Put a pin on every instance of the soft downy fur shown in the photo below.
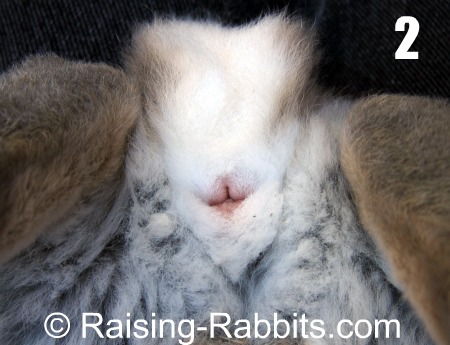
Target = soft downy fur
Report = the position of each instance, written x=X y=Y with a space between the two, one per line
x=397 y=160
x=233 y=201
x=57 y=119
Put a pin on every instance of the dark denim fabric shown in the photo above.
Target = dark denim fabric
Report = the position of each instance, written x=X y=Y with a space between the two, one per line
x=99 y=30
x=357 y=37
x=359 y=43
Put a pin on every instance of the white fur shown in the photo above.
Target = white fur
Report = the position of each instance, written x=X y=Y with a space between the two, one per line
x=210 y=128
x=293 y=245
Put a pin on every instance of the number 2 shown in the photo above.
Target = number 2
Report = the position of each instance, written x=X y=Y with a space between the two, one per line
x=413 y=30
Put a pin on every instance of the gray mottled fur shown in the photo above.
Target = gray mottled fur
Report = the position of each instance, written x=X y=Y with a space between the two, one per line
x=134 y=254
x=321 y=264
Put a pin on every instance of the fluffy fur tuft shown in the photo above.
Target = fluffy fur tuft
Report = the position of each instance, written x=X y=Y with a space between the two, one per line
x=396 y=154
x=56 y=122
x=223 y=109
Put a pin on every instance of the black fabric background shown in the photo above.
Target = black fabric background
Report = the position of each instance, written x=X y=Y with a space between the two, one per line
x=358 y=38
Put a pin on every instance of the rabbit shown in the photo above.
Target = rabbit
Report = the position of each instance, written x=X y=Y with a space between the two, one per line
x=204 y=183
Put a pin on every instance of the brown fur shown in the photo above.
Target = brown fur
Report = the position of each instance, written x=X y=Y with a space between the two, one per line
x=63 y=135
x=396 y=155
x=63 y=129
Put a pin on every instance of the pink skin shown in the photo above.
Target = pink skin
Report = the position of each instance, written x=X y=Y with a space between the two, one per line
x=227 y=196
